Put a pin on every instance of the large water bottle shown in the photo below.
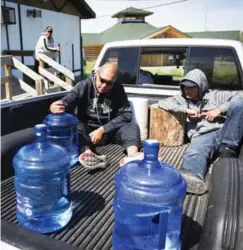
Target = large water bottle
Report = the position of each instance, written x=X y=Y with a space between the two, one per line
x=148 y=204
x=41 y=171
x=63 y=130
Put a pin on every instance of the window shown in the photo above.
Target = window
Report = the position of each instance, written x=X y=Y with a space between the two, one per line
x=8 y=15
x=219 y=65
x=161 y=66
x=127 y=63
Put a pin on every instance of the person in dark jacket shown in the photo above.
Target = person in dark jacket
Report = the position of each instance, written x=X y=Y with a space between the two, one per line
x=214 y=125
x=104 y=112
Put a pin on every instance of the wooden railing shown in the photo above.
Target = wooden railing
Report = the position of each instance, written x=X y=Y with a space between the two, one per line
x=8 y=79
x=50 y=73
x=41 y=80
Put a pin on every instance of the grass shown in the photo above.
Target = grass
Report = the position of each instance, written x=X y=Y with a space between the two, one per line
x=223 y=71
x=89 y=67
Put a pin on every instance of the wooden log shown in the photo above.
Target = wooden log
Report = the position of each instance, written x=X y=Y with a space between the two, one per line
x=167 y=127
x=8 y=85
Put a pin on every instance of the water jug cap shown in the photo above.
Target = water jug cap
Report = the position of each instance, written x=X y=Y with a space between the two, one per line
x=61 y=119
x=152 y=142
x=40 y=129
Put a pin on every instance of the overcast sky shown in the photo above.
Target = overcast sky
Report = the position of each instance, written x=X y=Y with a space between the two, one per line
x=190 y=15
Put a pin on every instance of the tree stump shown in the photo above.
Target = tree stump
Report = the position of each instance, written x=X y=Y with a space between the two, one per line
x=167 y=127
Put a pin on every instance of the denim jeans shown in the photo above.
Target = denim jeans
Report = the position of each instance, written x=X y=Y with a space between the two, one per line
x=203 y=147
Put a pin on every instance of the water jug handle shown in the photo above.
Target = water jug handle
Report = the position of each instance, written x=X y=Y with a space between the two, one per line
x=162 y=220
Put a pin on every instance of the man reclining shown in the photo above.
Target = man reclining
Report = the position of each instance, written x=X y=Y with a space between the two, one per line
x=208 y=130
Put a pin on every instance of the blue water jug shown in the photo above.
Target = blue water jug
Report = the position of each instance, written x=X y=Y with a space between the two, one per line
x=148 y=204
x=63 y=130
x=41 y=171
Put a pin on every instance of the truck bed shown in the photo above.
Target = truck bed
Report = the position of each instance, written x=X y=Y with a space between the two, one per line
x=91 y=225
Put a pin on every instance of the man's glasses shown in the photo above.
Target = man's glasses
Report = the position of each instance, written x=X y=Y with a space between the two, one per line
x=107 y=82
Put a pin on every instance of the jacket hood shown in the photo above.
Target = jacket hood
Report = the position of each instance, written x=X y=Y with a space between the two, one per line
x=198 y=77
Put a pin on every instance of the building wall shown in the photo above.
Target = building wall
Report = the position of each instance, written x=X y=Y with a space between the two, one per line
x=92 y=51
x=66 y=32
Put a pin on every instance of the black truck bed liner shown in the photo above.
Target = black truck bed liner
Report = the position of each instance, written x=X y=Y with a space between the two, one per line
x=92 y=222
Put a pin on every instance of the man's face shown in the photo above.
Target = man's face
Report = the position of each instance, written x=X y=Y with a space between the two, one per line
x=192 y=93
x=105 y=79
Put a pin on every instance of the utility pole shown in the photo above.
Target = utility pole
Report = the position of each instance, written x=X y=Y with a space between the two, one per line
x=206 y=15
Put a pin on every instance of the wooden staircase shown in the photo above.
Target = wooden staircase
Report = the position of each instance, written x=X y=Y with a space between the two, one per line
x=46 y=82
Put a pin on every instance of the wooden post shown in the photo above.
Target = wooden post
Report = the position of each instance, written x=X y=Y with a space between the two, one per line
x=41 y=63
x=39 y=87
x=166 y=127
x=69 y=81
x=8 y=85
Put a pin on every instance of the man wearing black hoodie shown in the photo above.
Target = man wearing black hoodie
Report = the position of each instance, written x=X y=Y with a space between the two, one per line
x=104 y=113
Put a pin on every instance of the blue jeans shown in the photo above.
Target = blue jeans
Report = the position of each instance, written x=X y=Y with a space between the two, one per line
x=203 y=147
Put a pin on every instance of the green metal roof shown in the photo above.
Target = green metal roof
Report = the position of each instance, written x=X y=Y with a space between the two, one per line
x=120 y=32
x=127 y=31
x=132 y=11
x=230 y=34
x=91 y=38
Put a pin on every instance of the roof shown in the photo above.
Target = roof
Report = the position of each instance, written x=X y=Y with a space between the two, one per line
x=91 y=38
x=72 y=7
x=127 y=31
x=132 y=12
x=120 y=32
x=230 y=34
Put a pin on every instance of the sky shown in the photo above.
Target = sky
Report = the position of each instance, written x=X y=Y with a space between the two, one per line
x=185 y=15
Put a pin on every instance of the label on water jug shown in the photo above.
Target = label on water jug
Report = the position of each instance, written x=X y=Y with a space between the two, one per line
x=35 y=200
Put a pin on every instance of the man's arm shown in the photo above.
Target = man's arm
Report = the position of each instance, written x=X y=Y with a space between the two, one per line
x=176 y=104
x=124 y=112
x=72 y=98
x=224 y=99
x=48 y=48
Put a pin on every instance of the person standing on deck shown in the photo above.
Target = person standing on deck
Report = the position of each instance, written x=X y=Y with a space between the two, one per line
x=214 y=125
x=105 y=115
x=45 y=44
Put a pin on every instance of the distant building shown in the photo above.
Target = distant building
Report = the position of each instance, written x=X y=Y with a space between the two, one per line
x=22 y=24
x=132 y=25
x=229 y=34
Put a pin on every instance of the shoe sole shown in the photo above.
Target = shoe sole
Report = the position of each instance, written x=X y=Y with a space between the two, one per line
x=199 y=188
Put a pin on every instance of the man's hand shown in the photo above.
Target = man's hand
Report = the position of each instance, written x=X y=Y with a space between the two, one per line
x=211 y=114
x=96 y=135
x=58 y=48
x=57 y=107
x=193 y=113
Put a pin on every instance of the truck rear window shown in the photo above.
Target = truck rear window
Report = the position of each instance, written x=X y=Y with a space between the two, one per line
x=161 y=66
x=219 y=65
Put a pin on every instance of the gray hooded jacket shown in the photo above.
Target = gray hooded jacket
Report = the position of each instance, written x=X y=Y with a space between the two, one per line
x=210 y=99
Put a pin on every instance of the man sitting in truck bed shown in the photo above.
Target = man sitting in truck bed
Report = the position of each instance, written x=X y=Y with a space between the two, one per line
x=104 y=113
x=207 y=128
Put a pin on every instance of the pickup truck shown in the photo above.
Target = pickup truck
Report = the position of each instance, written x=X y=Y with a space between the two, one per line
x=150 y=69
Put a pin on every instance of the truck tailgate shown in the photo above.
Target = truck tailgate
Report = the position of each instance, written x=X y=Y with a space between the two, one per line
x=92 y=222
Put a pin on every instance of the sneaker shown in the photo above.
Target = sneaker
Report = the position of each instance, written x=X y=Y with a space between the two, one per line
x=91 y=161
x=138 y=157
x=195 y=183
x=227 y=152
